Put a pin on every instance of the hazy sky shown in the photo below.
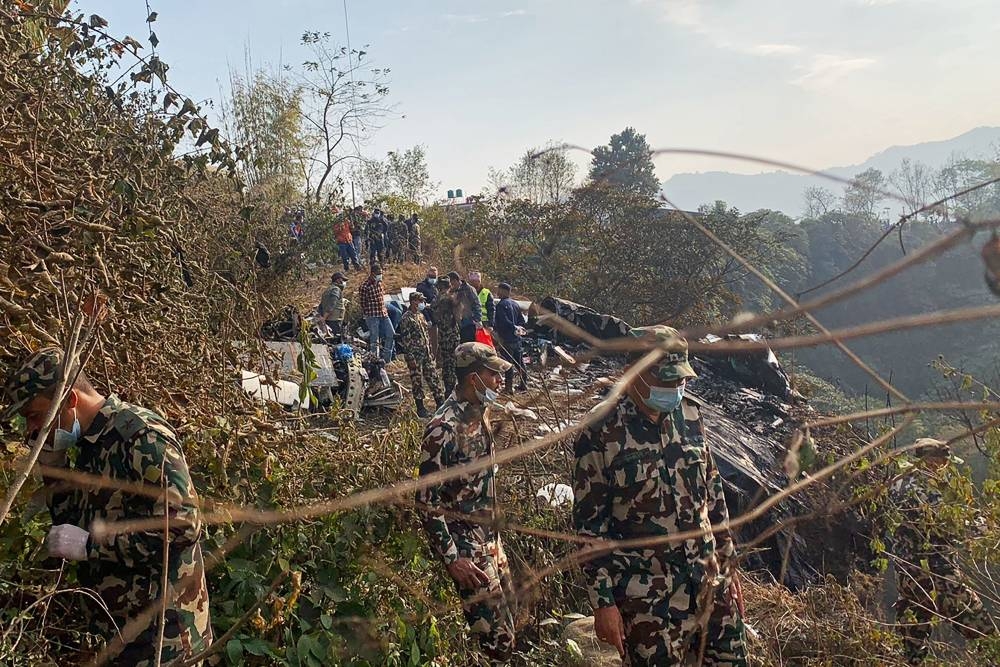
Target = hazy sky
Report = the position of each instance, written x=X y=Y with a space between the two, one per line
x=819 y=82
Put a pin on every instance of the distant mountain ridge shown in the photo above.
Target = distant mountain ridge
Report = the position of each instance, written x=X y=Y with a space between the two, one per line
x=781 y=190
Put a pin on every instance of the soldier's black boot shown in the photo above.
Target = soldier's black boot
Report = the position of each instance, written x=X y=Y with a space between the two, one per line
x=421 y=410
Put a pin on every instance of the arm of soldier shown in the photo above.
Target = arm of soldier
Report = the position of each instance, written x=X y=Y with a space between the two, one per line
x=404 y=332
x=158 y=462
x=718 y=513
x=64 y=504
x=439 y=440
x=592 y=514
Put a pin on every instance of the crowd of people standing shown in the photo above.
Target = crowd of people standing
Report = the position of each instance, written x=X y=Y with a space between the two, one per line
x=440 y=316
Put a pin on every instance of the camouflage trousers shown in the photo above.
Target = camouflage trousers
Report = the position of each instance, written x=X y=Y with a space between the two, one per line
x=447 y=342
x=422 y=370
x=489 y=609
x=925 y=598
x=663 y=627
x=184 y=635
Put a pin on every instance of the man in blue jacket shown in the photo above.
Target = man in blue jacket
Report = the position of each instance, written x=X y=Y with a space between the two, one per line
x=507 y=338
x=428 y=287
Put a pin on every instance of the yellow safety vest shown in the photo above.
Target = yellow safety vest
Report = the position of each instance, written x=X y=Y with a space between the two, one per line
x=484 y=295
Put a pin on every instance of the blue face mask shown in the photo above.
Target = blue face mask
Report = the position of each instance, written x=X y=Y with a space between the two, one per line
x=432 y=281
x=378 y=278
x=487 y=396
x=664 y=399
x=421 y=305
x=63 y=440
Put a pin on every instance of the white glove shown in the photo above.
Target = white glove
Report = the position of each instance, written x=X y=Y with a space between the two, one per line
x=68 y=541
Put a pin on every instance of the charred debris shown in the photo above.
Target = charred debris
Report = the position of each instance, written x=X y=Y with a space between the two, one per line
x=749 y=407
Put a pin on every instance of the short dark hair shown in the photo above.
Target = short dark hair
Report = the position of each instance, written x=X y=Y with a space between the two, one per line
x=376 y=268
x=82 y=383
x=462 y=373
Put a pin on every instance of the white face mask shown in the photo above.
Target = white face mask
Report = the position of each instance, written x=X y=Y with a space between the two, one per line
x=378 y=278
x=421 y=305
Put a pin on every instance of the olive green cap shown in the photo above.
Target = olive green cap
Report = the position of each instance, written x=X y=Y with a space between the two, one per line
x=675 y=364
x=38 y=374
x=470 y=354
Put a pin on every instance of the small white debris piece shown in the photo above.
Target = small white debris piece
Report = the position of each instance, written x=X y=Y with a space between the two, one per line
x=751 y=631
x=777 y=422
x=520 y=412
x=564 y=355
x=545 y=428
x=283 y=392
x=556 y=495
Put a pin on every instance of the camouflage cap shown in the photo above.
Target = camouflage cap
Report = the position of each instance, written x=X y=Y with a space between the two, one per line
x=675 y=364
x=39 y=373
x=470 y=354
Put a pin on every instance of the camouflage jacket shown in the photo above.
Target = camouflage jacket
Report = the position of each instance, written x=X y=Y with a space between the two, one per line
x=398 y=233
x=445 y=310
x=131 y=444
x=919 y=536
x=458 y=434
x=413 y=335
x=636 y=478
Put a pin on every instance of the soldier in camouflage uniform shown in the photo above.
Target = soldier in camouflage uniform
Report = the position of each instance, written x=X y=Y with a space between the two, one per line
x=122 y=442
x=413 y=237
x=416 y=345
x=400 y=239
x=929 y=581
x=459 y=433
x=644 y=470
x=445 y=311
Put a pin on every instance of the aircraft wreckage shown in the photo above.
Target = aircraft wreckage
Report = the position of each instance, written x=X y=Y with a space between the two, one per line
x=749 y=407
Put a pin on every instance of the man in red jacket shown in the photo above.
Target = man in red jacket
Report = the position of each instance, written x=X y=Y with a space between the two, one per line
x=345 y=242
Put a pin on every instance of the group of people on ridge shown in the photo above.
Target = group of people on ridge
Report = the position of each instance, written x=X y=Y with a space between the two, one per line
x=439 y=317
x=383 y=238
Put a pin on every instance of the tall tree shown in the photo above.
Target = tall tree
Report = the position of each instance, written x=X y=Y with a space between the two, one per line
x=410 y=177
x=819 y=201
x=913 y=182
x=864 y=193
x=402 y=174
x=263 y=116
x=963 y=174
x=541 y=176
x=344 y=101
x=626 y=163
